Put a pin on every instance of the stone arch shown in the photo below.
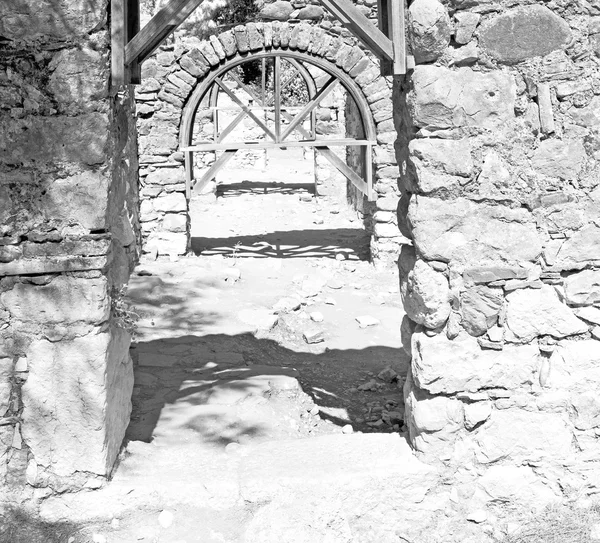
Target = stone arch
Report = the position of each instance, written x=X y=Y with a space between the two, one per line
x=170 y=81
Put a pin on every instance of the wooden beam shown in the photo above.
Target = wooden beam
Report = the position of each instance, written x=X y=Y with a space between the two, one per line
x=396 y=22
x=310 y=106
x=118 y=37
x=345 y=170
x=215 y=168
x=210 y=146
x=350 y=16
x=133 y=27
x=277 y=97
x=158 y=28
x=245 y=108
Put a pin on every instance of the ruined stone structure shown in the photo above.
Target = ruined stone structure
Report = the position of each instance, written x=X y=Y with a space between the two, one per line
x=496 y=136
x=498 y=145
x=170 y=79
x=68 y=240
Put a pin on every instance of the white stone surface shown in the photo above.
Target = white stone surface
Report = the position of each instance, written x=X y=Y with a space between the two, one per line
x=77 y=402
x=426 y=295
x=537 y=312
x=443 y=366
x=63 y=300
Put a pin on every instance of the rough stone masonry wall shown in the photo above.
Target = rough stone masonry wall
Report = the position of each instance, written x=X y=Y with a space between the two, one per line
x=501 y=127
x=168 y=81
x=68 y=240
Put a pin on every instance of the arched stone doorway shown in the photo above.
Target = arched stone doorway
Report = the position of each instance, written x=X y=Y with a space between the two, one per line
x=177 y=79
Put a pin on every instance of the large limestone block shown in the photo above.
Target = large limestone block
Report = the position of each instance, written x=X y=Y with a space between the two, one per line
x=82 y=138
x=583 y=288
x=524 y=436
x=78 y=199
x=80 y=76
x=575 y=367
x=167 y=243
x=516 y=485
x=6 y=373
x=62 y=300
x=59 y=19
x=433 y=413
x=429 y=25
x=77 y=402
x=580 y=248
x=524 y=32
x=451 y=156
x=472 y=234
x=426 y=295
x=443 y=366
x=479 y=307
x=556 y=158
x=539 y=312
x=442 y=98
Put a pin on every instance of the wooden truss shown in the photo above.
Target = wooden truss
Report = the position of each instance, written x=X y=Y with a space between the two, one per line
x=131 y=46
x=274 y=112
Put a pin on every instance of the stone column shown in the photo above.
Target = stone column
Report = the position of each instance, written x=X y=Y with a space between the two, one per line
x=68 y=240
x=501 y=286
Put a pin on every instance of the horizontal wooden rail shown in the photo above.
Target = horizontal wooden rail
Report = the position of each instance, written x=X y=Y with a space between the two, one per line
x=273 y=145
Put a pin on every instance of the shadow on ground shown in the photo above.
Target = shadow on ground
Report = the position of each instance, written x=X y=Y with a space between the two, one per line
x=204 y=378
x=352 y=243
x=18 y=525
x=256 y=187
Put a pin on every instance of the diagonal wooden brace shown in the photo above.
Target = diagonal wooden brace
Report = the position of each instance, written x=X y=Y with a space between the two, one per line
x=350 y=174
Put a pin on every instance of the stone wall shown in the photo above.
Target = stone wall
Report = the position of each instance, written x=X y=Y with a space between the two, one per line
x=69 y=237
x=499 y=156
x=169 y=79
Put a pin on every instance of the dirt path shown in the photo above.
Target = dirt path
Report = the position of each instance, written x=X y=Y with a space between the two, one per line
x=267 y=403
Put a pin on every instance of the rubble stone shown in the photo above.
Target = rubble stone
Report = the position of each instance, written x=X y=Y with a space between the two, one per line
x=524 y=32
x=429 y=25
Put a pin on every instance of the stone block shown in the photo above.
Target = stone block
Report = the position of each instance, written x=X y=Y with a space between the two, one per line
x=79 y=78
x=167 y=243
x=174 y=222
x=524 y=32
x=59 y=20
x=583 y=288
x=476 y=413
x=466 y=23
x=169 y=203
x=442 y=98
x=472 y=234
x=587 y=410
x=580 y=248
x=166 y=176
x=524 y=436
x=280 y=10
x=6 y=373
x=76 y=402
x=562 y=159
x=425 y=295
x=433 y=413
x=429 y=28
x=479 y=308
x=82 y=139
x=517 y=485
x=495 y=180
x=228 y=42
x=443 y=366
x=538 y=312
x=80 y=199
x=62 y=300
x=311 y=13
x=450 y=156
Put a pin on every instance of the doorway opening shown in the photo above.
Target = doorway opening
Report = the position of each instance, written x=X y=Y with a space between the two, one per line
x=266 y=142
